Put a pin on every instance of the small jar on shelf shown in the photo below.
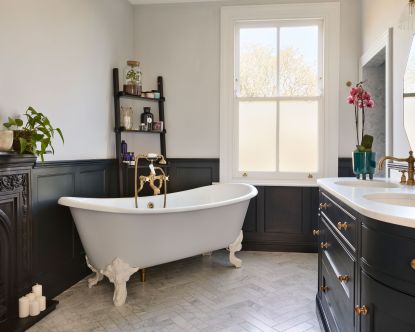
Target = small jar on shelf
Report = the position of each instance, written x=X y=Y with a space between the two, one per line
x=127 y=117
x=133 y=79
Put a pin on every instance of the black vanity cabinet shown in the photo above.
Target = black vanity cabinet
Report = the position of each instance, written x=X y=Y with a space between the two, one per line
x=366 y=271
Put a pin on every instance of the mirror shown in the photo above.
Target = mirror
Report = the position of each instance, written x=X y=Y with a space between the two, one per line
x=409 y=97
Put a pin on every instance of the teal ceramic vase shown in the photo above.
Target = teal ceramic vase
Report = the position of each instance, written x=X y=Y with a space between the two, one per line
x=364 y=163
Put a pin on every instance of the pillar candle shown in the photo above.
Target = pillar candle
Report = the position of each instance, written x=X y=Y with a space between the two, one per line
x=31 y=296
x=42 y=302
x=34 y=308
x=37 y=289
x=23 y=307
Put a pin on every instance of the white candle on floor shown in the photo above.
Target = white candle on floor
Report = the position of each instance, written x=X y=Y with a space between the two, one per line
x=31 y=296
x=23 y=307
x=37 y=290
x=42 y=302
x=34 y=308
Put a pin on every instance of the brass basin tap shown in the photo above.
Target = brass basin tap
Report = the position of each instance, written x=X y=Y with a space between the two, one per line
x=410 y=160
x=152 y=178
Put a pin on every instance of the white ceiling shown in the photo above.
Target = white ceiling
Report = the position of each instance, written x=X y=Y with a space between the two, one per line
x=148 y=2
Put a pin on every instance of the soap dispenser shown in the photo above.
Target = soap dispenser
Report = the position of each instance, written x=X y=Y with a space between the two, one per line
x=147 y=118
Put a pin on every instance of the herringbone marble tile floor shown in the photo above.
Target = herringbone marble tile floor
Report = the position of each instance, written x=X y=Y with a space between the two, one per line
x=271 y=292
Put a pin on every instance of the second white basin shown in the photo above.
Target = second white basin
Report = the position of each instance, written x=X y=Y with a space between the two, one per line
x=367 y=184
x=396 y=199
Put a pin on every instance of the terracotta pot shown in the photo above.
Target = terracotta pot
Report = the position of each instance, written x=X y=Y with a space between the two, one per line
x=6 y=140
x=16 y=143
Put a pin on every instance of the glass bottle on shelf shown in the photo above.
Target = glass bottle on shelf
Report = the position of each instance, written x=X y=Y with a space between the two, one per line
x=127 y=117
x=132 y=77
x=147 y=118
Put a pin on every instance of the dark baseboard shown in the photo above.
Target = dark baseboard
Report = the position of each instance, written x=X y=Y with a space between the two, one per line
x=345 y=168
x=276 y=246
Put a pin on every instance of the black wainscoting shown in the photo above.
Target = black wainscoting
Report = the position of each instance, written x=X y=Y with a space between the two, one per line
x=59 y=260
x=282 y=219
x=345 y=167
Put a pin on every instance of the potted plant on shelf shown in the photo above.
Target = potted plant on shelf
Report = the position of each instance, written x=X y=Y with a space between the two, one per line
x=35 y=136
x=364 y=159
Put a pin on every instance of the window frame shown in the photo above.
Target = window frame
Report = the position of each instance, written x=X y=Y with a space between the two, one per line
x=235 y=17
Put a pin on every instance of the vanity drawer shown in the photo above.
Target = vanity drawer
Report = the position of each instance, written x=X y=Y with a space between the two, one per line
x=342 y=263
x=389 y=254
x=344 y=222
x=334 y=300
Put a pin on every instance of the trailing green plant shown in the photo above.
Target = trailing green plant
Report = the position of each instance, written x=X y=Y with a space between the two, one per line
x=35 y=136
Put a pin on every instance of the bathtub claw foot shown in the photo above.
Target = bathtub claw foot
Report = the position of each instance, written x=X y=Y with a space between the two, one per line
x=119 y=272
x=234 y=247
x=98 y=275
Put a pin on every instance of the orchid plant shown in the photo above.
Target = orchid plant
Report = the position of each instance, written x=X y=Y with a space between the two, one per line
x=361 y=100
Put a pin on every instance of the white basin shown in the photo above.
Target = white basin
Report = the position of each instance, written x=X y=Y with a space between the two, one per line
x=392 y=199
x=367 y=184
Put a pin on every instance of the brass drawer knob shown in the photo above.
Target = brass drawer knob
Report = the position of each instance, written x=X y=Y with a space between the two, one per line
x=413 y=263
x=343 y=226
x=324 y=245
x=324 y=206
x=343 y=278
x=316 y=232
x=324 y=289
x=363 y=310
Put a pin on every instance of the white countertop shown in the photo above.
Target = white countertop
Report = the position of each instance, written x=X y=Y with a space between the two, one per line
x=354 y=197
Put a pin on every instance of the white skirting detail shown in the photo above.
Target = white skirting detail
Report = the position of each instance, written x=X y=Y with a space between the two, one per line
x=234 y=247
x=119 y=272
x=98 y=275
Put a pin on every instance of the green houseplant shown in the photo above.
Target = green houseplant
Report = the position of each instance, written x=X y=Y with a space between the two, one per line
x=35 y=136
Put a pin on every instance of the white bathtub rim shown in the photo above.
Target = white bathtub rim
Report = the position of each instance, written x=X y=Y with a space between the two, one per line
x=87 y=203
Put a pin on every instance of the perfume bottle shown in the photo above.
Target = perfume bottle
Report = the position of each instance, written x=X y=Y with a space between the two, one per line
x=147 y=118
x=123 y=149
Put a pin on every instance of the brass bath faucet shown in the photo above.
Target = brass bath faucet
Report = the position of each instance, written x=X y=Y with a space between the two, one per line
x=152 y=178
x=410 y=160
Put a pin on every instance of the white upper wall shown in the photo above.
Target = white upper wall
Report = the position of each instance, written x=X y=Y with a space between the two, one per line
x=57 y=55
x=182 y=43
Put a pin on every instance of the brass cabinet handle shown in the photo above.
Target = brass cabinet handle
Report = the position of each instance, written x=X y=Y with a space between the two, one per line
x=316 y=232
x=324 y=206
x=324 y=289
x=363 y=310
x=342 y=226
x=343 y=278
x=324 y=245
x=413 y=263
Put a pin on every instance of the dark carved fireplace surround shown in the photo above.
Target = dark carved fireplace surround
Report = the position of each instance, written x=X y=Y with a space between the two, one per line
x=15 y=240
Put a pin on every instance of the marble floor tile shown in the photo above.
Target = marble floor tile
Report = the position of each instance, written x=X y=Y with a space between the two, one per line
x=271 y=292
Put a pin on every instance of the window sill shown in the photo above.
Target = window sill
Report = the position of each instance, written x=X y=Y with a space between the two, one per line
x=279 y=182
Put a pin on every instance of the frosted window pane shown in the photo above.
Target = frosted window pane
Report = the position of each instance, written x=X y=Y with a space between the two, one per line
x=299 y=61
x=258 y=62
x=257 y=136
x=409 y=77
x=298 y=136
x=409 y=119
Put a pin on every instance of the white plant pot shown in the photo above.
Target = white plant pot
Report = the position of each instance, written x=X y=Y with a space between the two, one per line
x=6 y=140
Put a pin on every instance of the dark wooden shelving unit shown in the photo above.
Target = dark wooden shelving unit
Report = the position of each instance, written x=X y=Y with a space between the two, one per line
x=118 y=95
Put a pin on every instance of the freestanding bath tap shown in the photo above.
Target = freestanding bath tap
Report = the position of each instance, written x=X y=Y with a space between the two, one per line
x=152 y=178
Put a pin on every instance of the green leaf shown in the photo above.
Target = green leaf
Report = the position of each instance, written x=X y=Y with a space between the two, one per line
x=7 y=125
x=60 y=134
x=45 y=131
x=23 y=144
x=19 y=122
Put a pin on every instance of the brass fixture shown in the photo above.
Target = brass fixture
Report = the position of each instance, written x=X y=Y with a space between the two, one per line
x=324 y=206
x=151 y=178
x=403 y=177
x=324 y=245
x=343 y=278
x=142 y=275
x=245 y=174
x=363 y=310
x=410 y=160
x=413 y=263
x=150 y=205
x=310 y=176
x=324 y=289
x=316 y=232
x=343 y=226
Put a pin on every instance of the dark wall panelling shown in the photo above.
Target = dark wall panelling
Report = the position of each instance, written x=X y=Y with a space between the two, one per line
x=282 y=219
x=345 y=167
x=59 y=257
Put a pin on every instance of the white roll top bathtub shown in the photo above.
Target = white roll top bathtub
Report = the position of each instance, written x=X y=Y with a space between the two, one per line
x=119 y=239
